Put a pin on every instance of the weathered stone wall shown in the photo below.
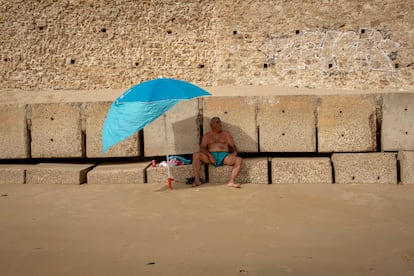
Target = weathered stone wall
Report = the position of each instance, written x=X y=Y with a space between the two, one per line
x=283 y=139
x=85 y=44
x=260 y=124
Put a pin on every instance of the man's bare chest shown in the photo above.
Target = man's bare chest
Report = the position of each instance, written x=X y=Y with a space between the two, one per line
x=217 y=138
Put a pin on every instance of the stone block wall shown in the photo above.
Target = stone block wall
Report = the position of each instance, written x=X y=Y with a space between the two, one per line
x=56 y=130
x=347 y=124
x=114 y=44
x=301 y=170
x=238 y=115
x=94 y=46
x=13 y=132
x=118 y=173
x=93 y=115
x=360 y=168
x=398 y=122
x=179 y=173
x=287 y=124
x=180 y=128
x=330 y=138
x=56 y=173
x=406 y=161
x=259 y=124
x=13 y=174
x=253 y=170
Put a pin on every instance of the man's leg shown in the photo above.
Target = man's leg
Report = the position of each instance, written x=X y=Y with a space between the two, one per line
x=197 y=158
x=236 y=162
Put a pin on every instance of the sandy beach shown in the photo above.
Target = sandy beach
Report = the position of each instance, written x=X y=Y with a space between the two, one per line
x=210 y=230
x=321 y=90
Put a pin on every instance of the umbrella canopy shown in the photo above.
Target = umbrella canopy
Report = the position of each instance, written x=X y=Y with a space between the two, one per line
x=142 y=104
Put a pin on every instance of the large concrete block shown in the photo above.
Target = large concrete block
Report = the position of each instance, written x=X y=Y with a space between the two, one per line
x=14 y=143
x=397 y=130
x=57 y=173
x=287 y=124
x=238 y=116
x=253 y=170
x=13 y=174
x=180 y=173
x=376 y=167
x=56 y=130
x=183 y=131
x=316 y=170
x=406 y=160
x=95 y=114
x=124 y=173
x=347 y=124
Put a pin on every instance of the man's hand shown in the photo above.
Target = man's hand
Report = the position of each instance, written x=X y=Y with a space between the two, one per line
x=211 y=159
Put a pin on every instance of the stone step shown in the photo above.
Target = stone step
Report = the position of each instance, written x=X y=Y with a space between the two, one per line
x=365 y=168
x=361 y=168
x=14 y=174
x=301 y=170
x=406 y=161
x=118 y=173
x=57 y=173
x=179 y=173
x=253 y=170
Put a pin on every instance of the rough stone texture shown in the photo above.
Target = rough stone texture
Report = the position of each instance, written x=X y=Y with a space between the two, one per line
x=103 y=44
x=406 y=160
x=179 y=173
x=94 y=114
x=287 y=124
x=14 y=174
x=183 y=132
x=301 y=170
x=253 y=170
x=57 y=173
x=238 y=116
x=123 y=173
x=314 y=44
x=347 y=123
x=14 y=143
x=365 y=168
x=56 y=130
x=397 y=130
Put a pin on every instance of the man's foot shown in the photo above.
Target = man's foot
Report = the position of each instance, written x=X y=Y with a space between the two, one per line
x=195 y=184
x=233 y=185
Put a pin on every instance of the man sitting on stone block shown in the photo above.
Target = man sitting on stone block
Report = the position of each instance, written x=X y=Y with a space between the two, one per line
x=217 y=148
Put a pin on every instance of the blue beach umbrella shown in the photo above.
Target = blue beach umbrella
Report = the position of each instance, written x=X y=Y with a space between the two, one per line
x=142 y=104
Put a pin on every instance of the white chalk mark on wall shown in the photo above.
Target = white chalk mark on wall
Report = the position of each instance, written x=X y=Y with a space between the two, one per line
x=332 y=50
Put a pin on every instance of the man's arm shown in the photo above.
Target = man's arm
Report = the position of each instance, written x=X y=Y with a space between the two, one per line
x=204 y=149
x=231 y=143
x=203 y=146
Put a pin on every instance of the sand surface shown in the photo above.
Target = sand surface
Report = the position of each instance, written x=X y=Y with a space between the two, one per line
x=210 y=230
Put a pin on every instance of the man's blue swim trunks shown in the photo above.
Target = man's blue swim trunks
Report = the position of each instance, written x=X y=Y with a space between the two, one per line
x=219 y=157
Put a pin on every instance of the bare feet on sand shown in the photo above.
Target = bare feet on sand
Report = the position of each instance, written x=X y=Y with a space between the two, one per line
x=197 y=183
x=233 y=185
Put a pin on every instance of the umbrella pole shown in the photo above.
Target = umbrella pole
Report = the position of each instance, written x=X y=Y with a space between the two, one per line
x=170 y=179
